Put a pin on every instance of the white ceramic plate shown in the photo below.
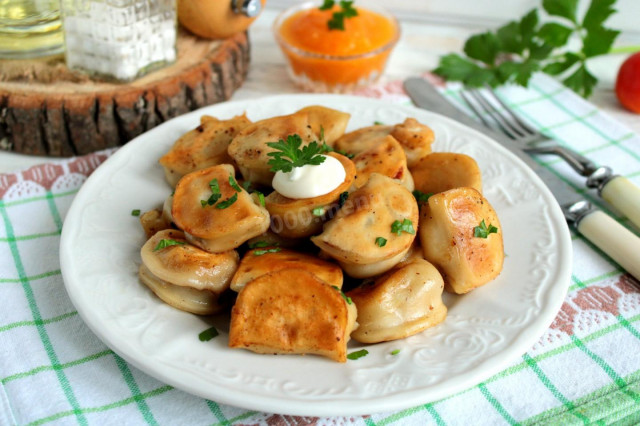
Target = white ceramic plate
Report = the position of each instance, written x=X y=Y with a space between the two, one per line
x=484 y=331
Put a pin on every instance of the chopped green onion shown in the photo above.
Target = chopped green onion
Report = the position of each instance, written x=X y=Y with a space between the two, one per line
x=135 y=212
x=228 y=202
x=261 y=243
x=208 y=334
x=395 y=352
x=344 y=296
x=318 y=211
x=234 y=184
x=246 y=185
x=215 y=194
x=261 y=198
x=358 y=354
x=343 y=198
x=164 y=243
x=271 y=250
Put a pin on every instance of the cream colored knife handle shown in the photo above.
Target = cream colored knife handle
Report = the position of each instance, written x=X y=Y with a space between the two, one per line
x=613 y=239
x=621 y=193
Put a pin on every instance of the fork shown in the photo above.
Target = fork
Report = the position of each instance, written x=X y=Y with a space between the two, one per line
x=617 y=190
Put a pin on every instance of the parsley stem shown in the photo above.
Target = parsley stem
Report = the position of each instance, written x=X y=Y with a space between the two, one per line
x=625 y=49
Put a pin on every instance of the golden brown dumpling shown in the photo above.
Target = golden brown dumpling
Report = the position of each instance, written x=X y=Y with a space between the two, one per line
x=292 y=311
x=414 y=137
x=362 y=139
x=371 y=212
x=404 y=301
x=295 y=218
x=249 y=148
x=202 y=147
x=447 y=227
x=386 y=158
x=184 y=276
x=224 y=225
x=441 y=171
x=263 y=260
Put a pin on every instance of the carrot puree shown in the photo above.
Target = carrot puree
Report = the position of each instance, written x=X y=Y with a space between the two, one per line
x=307 y=31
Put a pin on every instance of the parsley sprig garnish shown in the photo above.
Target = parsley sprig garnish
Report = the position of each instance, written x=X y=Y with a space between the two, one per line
x=337 y=18
x=515 y=51
x=288 y=154
x=483 y=231
x=406 y=225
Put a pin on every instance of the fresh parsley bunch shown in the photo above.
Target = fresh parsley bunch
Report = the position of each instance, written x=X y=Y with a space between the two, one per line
x=513 y=52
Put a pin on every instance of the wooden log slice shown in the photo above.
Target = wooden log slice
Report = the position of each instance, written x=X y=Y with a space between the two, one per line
x=47 y=109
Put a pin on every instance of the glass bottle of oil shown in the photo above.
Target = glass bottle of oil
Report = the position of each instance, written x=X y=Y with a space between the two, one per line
x=30 y=28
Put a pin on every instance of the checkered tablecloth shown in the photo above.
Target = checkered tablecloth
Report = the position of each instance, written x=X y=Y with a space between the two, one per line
x=584 y=369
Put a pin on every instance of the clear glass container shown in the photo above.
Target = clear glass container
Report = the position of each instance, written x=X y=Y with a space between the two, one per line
x=30 y=28
x=119 y=39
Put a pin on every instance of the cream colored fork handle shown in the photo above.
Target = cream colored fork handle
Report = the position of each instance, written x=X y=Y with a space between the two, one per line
x=613 y=239
x=621 y=193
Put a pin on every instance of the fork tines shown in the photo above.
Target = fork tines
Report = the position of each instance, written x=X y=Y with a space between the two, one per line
x=494 y=113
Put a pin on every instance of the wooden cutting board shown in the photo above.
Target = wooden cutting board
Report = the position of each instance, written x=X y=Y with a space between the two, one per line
x=47 y=109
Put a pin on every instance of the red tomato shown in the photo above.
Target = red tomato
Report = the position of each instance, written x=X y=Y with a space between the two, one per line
x=628 y=83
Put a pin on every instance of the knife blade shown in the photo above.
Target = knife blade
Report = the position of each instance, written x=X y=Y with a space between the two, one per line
x=602 y=230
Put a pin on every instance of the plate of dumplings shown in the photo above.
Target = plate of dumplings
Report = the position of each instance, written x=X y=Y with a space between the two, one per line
x=430 y=259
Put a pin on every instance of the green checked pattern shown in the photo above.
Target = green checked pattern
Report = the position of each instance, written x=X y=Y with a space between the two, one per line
x=583 y=370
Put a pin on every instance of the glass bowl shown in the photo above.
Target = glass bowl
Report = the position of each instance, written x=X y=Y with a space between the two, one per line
x=317 y=71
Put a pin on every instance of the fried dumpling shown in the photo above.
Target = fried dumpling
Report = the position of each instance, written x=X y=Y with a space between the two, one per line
x=249 y=148
x=265 y=260
x=184 y=276
x=362 y=139
x=292 y=312
x=153 y=221
x=404 y=301
x=298 y=218
x=202 y=147
x=461 y=235
x=373 y=230
x=441 y=171
x=414 y=137
x=386 y=158
x=214 y=212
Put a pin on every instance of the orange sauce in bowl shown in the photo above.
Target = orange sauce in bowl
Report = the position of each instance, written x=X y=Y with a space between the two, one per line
x=336 y=57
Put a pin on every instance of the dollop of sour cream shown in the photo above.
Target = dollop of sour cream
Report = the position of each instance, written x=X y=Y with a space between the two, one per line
x=310 y=180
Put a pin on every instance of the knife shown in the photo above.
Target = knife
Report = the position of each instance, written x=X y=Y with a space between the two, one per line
x=601 y=229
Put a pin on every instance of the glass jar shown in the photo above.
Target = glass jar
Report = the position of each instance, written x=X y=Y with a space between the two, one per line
x=119 y=39
x=30 y=28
